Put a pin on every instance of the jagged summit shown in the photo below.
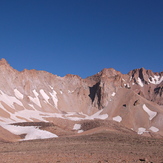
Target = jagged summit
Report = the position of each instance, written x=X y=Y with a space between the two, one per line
x=109 y=72
x=134 y=100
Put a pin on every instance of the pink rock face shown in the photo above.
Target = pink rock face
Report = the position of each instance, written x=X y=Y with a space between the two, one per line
x=135 y=99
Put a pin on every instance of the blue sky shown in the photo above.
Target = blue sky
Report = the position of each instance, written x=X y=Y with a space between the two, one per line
x=82 y=36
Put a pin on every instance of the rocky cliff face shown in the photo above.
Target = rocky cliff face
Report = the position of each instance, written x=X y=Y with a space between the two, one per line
x=135 y=99
x=150 y=84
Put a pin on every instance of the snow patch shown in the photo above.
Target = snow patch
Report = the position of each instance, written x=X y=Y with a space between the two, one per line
x=54 y=97
x=127 y=85
x=44 y=95
x=151 y=114
x=155 y=79
x=35 y=99
x=28 y=115
x=31 y=114
x=35 y=93
x=154 y=129
x=87 y=117
x=50 y=86
x=32 y=132
x=31 y=106
x=70 y=91
x=77 y=127
x=80 y=131
x=97 y=115
x=140 y=82
x=141 y=130
x=113 y=94
x=117 y=118
x=9 y=100
x=18 y=94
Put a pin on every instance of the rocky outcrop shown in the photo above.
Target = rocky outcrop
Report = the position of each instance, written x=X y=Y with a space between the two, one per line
x=147 y=84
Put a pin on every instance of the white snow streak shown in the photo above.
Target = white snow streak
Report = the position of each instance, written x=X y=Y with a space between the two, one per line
x=35 y=99
x=151 y=114
x=44 y=95
x=35 y=93
x=18 y=94
x=54 y=97
x=97 y=115
x=113 y=94
x=50 y=86
x=87 y=117
x=140 y=82
x=31 y=106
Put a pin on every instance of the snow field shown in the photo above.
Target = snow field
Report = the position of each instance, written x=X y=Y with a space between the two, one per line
x=9 y=100
x=31 y=132
x=155 y=79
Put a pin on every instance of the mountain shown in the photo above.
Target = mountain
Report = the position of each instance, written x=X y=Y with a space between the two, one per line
x=50 y=106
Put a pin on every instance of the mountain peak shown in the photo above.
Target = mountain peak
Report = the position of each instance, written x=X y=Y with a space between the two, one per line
x=3 y=62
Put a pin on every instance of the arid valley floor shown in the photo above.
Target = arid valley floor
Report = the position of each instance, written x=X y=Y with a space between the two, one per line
x=100 y=147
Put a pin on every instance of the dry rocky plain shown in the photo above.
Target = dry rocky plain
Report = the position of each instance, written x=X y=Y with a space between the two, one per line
x=100 y=146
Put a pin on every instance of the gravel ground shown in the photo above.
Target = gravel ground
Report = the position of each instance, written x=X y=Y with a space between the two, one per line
x=93 y=148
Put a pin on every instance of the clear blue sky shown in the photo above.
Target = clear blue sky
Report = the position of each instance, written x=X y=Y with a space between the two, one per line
x=82 y=36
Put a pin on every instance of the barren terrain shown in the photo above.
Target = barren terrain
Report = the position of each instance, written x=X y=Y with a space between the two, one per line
x=102 y=147
x=107 y=117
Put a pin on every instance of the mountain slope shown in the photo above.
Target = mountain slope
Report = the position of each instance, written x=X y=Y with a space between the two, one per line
x=134 y=100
